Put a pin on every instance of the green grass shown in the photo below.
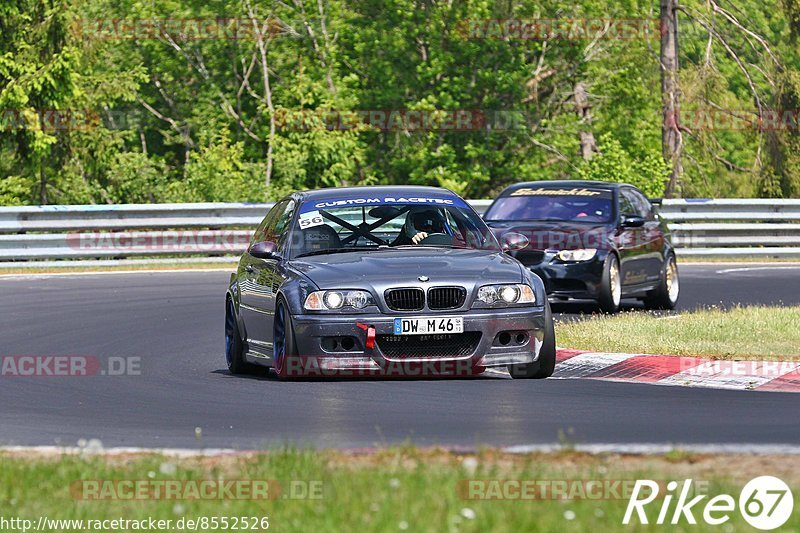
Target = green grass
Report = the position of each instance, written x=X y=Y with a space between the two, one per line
x=393 y=490
x=737 y=333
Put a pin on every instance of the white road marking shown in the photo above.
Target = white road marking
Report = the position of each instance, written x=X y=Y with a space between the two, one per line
x=588 y=363
x=755 y=268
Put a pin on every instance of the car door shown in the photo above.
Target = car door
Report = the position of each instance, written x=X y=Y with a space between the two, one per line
x=631 y=243
x=260 y=279
x=652 y=234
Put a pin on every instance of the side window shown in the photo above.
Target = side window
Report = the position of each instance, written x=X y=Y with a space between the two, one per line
x=626 y=207
x=643 y=204
x=263 y=229
x=281 y=230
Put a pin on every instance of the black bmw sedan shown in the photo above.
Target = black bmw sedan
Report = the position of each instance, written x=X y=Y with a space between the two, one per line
x=388 y=281
x=590 y=240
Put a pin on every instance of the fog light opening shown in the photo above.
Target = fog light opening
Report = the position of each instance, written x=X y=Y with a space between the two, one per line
x=504 y=338
x=348 y=343
x=521 y=338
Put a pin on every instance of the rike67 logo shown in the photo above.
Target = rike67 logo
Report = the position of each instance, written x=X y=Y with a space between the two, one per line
x=765 y=503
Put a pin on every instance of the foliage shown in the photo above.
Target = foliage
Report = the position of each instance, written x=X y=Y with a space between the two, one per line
x=172 y=117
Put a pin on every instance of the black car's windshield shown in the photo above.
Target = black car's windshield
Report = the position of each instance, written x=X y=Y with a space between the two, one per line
x=367 y=224
x=557 y=204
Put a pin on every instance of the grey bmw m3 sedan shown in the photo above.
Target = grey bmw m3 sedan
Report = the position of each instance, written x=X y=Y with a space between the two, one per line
x=384 y=281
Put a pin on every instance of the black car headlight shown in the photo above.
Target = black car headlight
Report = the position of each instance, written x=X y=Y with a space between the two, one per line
x=505 y=295
x=338 y=299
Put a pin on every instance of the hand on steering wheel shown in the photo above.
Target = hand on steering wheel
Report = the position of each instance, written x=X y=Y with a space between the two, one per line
x=422 y=235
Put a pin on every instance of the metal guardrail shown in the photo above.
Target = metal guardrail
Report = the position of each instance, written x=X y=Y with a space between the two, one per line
x=723 y=228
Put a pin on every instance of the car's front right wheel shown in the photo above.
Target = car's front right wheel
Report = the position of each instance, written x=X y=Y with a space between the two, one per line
x=546 y=364
x=284 y=358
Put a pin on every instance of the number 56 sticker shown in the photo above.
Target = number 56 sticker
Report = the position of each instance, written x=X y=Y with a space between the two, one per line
x=310 y=219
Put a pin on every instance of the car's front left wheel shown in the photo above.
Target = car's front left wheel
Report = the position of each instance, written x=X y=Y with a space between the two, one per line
x=546 y=364
x=234 y=347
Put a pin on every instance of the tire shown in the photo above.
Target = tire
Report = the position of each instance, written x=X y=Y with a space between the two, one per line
x=544 y=367
x=284 y=346
x=668 y=291
x=610 y=286
x=234 y=347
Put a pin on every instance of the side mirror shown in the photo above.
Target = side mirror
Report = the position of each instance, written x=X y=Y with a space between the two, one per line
x=632 y=221
x=263 y=250
x=514 y=241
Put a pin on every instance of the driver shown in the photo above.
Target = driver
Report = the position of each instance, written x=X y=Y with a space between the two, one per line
x=420 y=223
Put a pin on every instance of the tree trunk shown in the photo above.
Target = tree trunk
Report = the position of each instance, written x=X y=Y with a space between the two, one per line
x=582 y=108
x=671 y=141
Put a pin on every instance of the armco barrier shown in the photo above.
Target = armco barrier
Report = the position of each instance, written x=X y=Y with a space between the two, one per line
x=725 y=228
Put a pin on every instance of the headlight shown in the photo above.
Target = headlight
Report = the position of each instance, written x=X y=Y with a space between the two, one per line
x=583 y=254
x=332 y=300
x=518 y=293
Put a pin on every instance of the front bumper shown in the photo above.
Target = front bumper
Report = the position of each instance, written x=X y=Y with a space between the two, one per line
x=565 y=281
x=318 y=353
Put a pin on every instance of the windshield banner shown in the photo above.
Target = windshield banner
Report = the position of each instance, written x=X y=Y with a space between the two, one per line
x=371 y=201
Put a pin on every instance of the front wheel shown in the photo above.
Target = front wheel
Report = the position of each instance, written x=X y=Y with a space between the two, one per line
x=665 y=296
x=284 y=349
x=546 y=364
x=610 y=286
x=234 y=347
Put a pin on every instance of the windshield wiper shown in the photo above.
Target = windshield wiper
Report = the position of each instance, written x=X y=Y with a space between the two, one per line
x=338 y=250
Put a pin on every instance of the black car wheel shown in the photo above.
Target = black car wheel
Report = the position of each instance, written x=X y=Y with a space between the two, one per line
x=234 y=348
x=610 y=286
x=544 y=367
x=668 y=291
x=284 y=350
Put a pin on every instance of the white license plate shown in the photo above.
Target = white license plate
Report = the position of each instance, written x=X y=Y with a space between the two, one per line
x=428 y=325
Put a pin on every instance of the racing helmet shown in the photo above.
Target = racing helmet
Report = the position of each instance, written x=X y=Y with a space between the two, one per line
x=425 y=219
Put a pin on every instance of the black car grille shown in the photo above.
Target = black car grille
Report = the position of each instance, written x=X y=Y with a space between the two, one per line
x=405 y=299
x=446 y=297
x=429 y=346
x=530 y=257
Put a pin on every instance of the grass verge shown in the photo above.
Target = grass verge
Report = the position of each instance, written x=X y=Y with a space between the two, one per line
x=737 y=333
x=392 y=490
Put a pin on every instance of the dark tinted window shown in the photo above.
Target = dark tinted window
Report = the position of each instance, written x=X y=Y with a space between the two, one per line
x=633 y=204
x=573 y=204
x=263 y=229
x=641 y=203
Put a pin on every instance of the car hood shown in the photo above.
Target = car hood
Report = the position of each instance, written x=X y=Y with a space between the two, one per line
x=403 y=267
x=558 y=235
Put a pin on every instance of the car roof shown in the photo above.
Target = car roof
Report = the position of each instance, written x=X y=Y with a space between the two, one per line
x=565 y=183
x=380 y=190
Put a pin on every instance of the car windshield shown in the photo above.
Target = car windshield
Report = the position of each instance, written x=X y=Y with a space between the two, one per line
x=561 y=204
x=367 y=224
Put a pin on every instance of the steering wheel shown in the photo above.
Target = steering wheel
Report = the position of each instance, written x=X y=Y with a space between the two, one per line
x=437 y=238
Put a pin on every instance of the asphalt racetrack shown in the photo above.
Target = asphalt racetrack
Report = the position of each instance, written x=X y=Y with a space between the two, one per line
x=173 y=322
